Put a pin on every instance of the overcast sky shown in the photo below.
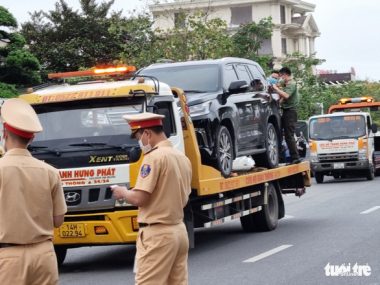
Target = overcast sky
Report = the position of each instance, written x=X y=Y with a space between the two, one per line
x=349 y=29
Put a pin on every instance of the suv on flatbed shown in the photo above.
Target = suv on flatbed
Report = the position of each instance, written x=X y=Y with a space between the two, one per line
x=233 y=113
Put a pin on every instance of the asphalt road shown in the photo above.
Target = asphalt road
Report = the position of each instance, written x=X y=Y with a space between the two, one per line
x=336 y=223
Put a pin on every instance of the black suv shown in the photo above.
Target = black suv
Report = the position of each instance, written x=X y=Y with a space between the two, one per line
x=233 y=113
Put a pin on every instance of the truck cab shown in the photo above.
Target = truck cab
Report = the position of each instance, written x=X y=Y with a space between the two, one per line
x=342 y=143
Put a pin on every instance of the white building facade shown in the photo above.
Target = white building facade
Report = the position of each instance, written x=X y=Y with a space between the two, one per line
x=295 y=29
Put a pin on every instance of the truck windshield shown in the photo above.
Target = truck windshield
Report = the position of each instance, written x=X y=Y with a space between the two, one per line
x=78 y=120
x=193 y=79
x=337 y=127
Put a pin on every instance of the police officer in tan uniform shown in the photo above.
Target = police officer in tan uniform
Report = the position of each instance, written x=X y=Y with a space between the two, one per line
x=31 y=203
x=161 y=192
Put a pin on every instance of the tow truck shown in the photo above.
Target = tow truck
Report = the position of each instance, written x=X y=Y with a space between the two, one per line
x=344 y=142
x=86 y=138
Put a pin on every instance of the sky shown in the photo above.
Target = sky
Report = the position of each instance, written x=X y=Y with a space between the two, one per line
x=349 y=30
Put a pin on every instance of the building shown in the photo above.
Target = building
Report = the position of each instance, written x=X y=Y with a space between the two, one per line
x=295 y=29
x=332 y=77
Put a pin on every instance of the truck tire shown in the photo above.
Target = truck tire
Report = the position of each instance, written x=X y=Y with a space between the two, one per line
x=318 y=177
x=60 y=252
x=371 y=172
x=270 y=158
x=267 y=218
x=224 y=151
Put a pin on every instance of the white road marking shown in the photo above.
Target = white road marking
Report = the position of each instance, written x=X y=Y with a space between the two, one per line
x=268 y=253
x=370 y=210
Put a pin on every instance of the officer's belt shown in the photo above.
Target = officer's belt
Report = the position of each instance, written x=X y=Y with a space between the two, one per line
x=143 y=225
x=3 y=245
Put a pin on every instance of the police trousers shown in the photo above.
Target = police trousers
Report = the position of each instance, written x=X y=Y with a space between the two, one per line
x=161 y=257
x=33 y=264
x=288 y=121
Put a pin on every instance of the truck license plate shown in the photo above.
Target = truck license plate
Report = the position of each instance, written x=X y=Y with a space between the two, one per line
x=338 y=165
x=72 y=230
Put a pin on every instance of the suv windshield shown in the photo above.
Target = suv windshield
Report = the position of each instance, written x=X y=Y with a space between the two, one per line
x=337 y=127
x=194 y=78
x=85 y=119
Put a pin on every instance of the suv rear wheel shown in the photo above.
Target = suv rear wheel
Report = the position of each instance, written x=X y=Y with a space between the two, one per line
x=224 y=151
x=270 y=157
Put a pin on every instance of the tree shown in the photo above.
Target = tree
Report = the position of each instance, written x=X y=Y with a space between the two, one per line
x=17 y=65
x=65 y=39
x=198 y=38
x=137 y=40
x=249 y=38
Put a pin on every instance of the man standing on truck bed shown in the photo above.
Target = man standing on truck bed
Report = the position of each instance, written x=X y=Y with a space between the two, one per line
x=289 y=96
x=161 y=192
x=31 y=203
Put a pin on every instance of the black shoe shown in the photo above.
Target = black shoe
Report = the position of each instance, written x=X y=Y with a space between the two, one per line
x=297 y=160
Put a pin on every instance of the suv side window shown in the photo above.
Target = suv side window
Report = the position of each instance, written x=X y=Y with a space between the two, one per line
x=258 y=77
x=165 y=108
x=229 y=75
x=243 y=73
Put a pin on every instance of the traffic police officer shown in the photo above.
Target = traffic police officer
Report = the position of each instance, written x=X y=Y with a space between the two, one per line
x=31 y=203
x=161 y=193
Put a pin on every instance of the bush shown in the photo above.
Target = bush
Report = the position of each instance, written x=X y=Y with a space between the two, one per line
x=7 y=90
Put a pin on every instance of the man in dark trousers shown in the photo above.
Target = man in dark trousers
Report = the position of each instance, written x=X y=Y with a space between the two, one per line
x=161 y=192
x=31 y=203
x=289 y=101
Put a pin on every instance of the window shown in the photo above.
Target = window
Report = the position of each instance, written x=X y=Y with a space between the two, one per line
x=104 y=118
x=282 y=14
x=284 y=46
x=241 y=15
x=259 y=80
x=165 y=108
x=196 y=78
x=243 y=73
x=229 y=75
x=179 y=20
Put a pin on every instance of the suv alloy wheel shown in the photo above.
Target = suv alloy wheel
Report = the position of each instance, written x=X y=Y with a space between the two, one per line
x=224 y=151
x=270 y=157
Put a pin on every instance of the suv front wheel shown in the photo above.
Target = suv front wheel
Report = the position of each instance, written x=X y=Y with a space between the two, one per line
x=224 y=151
x=270 y=157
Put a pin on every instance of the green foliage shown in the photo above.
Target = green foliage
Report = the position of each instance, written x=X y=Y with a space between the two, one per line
x=6 y=18
x=20 y=68
x=65 y=39
x=7 y=90
x=137 y=41
x=17 y=65
x=196 y=38
x=249 y=38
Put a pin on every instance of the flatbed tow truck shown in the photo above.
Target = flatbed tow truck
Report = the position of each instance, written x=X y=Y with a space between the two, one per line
x=90 y=164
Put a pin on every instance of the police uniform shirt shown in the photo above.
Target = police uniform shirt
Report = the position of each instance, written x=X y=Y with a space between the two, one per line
x=30 y=195
x=165 y=174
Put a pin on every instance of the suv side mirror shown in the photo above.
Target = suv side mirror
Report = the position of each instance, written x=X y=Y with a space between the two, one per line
x=374 y=128
x=239 y=86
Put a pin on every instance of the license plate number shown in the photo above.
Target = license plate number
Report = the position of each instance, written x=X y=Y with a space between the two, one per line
x=338 y=165
x=72 y=231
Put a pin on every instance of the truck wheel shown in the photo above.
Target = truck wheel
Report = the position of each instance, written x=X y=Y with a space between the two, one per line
x=267 y=218
x=224 y=151
x=60 y=252
x=271 y=156
x=318 y=177
x=371 y=172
